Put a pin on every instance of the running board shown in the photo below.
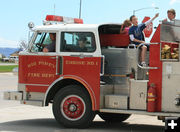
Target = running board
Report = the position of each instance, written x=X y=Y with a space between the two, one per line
x=33 y=102
x=140 y=112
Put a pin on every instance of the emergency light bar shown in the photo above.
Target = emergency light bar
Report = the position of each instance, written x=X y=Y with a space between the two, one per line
x=53 y=19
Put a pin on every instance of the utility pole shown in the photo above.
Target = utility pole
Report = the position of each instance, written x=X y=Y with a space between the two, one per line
x=54 y=9
x=80 y=9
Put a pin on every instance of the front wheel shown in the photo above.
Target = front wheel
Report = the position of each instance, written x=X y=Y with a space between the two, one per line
x=72 y=107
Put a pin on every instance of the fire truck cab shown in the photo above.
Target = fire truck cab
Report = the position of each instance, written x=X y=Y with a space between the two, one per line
x=95 y=70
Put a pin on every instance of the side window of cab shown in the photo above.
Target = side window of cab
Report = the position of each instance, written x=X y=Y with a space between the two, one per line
x=44 y=42
x=77 y=42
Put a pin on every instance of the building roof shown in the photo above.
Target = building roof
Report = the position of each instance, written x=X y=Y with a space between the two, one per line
x=16 y=53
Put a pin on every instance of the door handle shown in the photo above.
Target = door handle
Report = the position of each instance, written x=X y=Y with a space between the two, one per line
x=81 y=56
x=53 y=57
x=59 y=65
x=57 y=62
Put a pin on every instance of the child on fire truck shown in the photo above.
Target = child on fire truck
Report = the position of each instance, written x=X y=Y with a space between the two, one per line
x=137 y=36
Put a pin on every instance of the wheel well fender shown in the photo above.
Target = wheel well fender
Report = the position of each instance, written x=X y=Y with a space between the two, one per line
x=52 y=90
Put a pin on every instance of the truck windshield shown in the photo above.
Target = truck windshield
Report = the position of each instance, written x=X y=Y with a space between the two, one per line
x=41 y=41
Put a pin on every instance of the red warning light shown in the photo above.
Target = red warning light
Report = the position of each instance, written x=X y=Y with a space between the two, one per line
x=54 y=18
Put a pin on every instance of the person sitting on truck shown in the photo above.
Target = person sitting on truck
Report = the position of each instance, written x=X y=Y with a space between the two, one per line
x=51 y=47
x=125 y=27
x=137 y=37
x=171 y=13
x=82 y=44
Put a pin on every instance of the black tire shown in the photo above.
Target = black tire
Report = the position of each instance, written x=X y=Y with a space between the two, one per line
x=72 y=107
x=113 y=117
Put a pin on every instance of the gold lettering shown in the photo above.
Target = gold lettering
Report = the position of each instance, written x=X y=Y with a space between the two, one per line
x=32 y=64
x=68 y=62
x=51 y=75
x=75 y=62
x=40 y=62
x=33 y=74
x=90 y=63
x=46 y=75
x=44 y=63
x=29 y=74
x=36 y=75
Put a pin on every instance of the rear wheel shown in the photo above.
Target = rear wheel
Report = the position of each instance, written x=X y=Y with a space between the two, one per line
x=113 y=117
x=72 y=107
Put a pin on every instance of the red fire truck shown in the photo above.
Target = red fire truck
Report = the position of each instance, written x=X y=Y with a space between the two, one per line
x=99 y=75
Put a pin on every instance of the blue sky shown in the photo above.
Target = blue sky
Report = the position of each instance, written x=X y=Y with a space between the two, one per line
x=15 y=14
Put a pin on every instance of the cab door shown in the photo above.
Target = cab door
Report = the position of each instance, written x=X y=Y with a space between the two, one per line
x=37 y=69
x=81 y=59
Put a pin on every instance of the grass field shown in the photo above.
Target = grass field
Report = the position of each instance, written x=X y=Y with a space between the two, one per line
x=7 y=68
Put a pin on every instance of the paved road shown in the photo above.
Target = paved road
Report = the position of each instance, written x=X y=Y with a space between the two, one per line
x=22 y=118
x=7 y=82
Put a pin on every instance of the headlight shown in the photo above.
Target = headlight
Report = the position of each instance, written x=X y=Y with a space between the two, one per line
x=30 y=25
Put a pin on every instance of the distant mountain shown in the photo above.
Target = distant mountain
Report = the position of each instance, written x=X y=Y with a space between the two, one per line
x=8 y=51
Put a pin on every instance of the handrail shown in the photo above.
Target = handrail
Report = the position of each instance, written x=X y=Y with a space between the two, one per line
x=133 y=45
